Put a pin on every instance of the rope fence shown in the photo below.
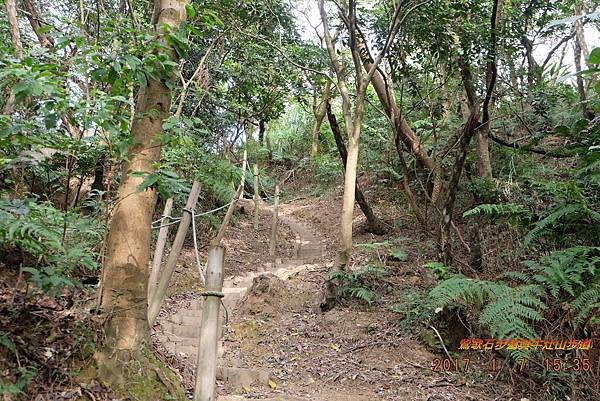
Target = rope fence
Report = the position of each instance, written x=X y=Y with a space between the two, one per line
x=159 y=223
x=178 y=219
x=175 y=220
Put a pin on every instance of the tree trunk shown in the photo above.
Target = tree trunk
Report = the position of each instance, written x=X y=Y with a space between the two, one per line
x=261 y=132
x=484 y=163
x=15 y=36
x=534 y=73
x=125 y=271
x=348 y=203
x=319 y=112
x=384 y=89
x=35 y=22
x=374 y=225
x=579 y=49
x=269 y=147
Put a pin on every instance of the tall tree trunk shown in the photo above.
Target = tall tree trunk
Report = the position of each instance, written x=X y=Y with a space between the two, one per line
x=384 y=89
x=585 y=110
x=374 y=225
x=261 y=131
x=269 y=146
x=15 y=36
x=348 y=202
x=579 y=49
x=125 y=271
x=319 y=113
x=484 y=163
x=98 y=183
x=534 y=71
x=482 y=149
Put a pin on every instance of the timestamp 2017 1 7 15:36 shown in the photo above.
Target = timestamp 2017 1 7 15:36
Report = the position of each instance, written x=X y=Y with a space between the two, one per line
x=464 y=365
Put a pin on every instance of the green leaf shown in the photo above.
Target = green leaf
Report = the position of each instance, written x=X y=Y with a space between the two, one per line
x=190 y=11
x=150 y=180
x=594 y=56
x=399 y=255
x=6 y=342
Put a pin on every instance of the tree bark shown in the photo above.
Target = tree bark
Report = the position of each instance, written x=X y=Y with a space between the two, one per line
x=319 y=112
x=484 y=163
x=13 y=26
x=534 y=73
x=579 y=49
x=374 y=225
x=98 y=183
x=125 y=271
x=15 y=36
x=35 y=22
x=384 y=90
x=261 y=132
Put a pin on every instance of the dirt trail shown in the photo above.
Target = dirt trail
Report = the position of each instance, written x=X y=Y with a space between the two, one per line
x=277 y=346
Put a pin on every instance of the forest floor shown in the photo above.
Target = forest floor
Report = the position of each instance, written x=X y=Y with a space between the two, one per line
x=356 y=351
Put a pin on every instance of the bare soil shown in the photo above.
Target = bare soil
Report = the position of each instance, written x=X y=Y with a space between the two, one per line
x=355 y=351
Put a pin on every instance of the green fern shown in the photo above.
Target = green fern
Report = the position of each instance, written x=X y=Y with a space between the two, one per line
x=577 y=216
x=508 y=312
x=374 y=245
x=505 y=210
x=57 y=243
x=355 y=284
x=572 y=276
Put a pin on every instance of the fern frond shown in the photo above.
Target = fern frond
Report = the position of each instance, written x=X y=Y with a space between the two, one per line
x=564 y=215
x=507 y=210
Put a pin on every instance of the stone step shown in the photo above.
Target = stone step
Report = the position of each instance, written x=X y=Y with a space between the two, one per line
x=242 y=281
x=188 y=327
x=242 y=377
x=279 y=398
x=191 y=350
x=196 y=304
x=186 y=317
x=285 y=273
x=232 y=296
x=181 y=330
x=189 y=313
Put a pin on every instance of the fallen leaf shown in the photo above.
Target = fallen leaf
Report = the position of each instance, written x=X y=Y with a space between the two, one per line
x=272 y=384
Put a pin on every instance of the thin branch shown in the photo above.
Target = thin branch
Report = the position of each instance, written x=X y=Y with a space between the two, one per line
x=282 y=52
x=556 y=47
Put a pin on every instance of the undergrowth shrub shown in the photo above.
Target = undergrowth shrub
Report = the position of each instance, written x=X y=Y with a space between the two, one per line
x=359 y=283
x=517 y=304
x=327 y=169
x=50 y=245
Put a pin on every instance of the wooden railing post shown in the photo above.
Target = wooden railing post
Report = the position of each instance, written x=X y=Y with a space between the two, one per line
x=206 y=367
x=161 y=241
x=256 y=196
x=159 y=294
x=273 y=238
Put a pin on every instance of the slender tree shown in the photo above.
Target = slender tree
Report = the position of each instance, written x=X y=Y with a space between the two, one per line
x=125 y=271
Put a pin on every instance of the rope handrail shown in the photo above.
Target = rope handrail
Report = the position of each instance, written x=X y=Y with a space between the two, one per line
x=175 y=220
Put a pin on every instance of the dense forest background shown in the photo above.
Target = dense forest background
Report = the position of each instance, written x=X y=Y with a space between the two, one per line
x=471 y=125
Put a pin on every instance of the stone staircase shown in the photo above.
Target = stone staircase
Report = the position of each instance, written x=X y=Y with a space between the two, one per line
x=179 y=333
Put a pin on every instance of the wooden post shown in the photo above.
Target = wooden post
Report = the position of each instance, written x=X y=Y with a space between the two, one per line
x=206 y=367
x=256 y=197
x=161 y=290
x=274 y=224
x=161 y=241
